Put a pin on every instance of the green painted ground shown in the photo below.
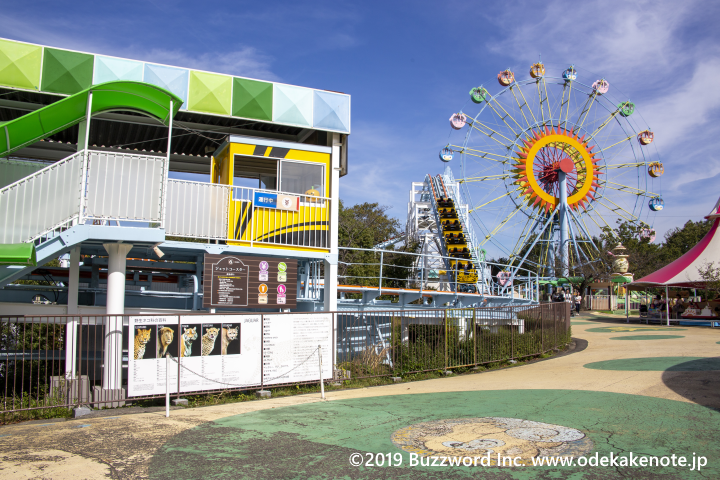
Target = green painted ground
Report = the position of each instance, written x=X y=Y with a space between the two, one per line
x=316 y=440
x=658 y=364
x=647 y=337
x=582 y=323
x=629 y=328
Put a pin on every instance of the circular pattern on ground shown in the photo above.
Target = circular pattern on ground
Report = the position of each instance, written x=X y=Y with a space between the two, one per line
x=658 y=364
x=315 y=440
x=647 y=337
x=492 y=436
x=621 y=329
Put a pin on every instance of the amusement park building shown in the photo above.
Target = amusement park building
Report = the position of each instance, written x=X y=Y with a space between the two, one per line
x=99 y=162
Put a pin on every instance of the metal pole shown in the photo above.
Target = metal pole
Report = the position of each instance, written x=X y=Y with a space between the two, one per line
x=322 y=384
x=381 y=265
x=167 y=385
x=667 y=307
x=88 y=114
x=86 y=159
x=445 y=330
x=179 y=357
x=167 y=167
x=627 y=305
x=564 y=257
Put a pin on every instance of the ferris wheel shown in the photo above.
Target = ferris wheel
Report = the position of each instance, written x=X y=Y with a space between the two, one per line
x=551 y=161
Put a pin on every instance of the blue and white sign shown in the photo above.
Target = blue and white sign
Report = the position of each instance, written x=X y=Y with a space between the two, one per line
x=267 y=200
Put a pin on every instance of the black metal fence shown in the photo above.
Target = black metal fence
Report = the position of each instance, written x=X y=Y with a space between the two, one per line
x=394 y=343
x=39 y=370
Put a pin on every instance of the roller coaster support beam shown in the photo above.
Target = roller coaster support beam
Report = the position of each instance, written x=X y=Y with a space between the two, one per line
x=515 y=270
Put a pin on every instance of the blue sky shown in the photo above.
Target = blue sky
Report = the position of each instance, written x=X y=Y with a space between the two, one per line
x=409 y=65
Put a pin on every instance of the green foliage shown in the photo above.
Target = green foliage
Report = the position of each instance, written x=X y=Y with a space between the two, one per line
x=679 y=240
x=22 y=377
x=364 y=226
x=44 y=405
x=710 y=275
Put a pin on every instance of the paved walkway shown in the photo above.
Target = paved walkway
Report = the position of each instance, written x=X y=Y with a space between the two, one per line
x=657 y=394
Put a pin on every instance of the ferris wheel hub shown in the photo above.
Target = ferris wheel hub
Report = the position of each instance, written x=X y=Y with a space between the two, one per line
x=543 y=155
x=566 y=165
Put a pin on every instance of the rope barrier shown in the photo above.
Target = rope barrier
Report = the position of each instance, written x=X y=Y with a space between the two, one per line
x=249 y=384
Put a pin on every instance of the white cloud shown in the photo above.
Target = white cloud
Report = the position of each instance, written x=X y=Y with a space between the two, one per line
x=246 y=61
x=653 y=52
x=240 y=60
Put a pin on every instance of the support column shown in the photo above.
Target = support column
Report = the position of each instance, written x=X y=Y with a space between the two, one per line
x=564 y=257
x=117 y=254
x=112 y=358
x=331 y=267
x=72 y=309
x=73 y=280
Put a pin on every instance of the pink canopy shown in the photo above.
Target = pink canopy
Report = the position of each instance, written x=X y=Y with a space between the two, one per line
x=683 y=272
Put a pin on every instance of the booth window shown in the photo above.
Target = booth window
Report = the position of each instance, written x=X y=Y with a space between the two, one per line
x=253 y=172
x=296 y=177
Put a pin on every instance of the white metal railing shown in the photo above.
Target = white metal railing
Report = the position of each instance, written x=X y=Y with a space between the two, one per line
x=47 y=200
x=108 y=186
x=123 y=186
x=196 y=209
x=203 y=210
x=93 y=186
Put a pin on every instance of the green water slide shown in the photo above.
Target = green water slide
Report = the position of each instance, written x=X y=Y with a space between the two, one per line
x=119 y=95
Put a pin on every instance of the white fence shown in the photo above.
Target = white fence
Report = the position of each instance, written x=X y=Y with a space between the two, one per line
x=196 y=209
x=96 y=185
x=124 y=187
x=107 y=186
x=203 y=210
x=611 y=302
x=46 y=200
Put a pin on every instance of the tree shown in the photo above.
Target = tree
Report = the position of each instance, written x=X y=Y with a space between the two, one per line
x=364 y=226
x=679 y=240
x=644 y=257
x=710 y=275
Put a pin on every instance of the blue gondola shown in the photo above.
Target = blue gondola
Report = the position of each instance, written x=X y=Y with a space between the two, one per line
x=656 y=204
x=570 y=73
x=446 y=154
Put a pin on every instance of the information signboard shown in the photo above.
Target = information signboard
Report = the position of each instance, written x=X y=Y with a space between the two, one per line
x=218 y=351
x=288 y=341
x=232 y=281
x=226 y=351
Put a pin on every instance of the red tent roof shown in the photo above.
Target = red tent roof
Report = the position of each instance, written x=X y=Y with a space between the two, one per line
x=683 y=272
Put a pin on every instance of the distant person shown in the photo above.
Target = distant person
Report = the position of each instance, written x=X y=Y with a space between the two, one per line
x=578 y=301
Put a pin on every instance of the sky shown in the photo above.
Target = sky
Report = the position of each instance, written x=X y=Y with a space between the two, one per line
x=409 y=66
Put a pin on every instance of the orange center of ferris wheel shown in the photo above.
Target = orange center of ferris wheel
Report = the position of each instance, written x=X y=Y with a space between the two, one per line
x=541 y=158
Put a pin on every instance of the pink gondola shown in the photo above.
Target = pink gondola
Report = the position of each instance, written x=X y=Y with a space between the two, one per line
x=601 y=86
x=458 y=120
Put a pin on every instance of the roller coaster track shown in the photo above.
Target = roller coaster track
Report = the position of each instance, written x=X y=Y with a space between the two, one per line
x=457 y=238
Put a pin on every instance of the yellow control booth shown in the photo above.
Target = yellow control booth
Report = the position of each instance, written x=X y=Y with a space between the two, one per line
x=279 y=195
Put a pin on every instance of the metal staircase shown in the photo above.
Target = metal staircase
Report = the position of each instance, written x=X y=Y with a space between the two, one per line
x=52 y=206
